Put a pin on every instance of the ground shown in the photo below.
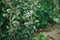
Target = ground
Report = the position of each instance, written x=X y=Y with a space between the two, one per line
x=53 y=32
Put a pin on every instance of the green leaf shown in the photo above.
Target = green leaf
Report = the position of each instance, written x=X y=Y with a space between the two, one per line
x=1 y=22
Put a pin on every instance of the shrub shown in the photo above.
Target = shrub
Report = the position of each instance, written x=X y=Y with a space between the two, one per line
x=19 y=19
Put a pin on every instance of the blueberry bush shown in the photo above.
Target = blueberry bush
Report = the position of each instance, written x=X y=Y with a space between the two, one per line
x=19 y=19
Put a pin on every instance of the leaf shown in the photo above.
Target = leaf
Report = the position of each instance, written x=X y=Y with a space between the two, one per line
x=1 y=22
x=57 y=20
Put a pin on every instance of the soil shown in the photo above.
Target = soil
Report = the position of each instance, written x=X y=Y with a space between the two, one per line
x=53 y=32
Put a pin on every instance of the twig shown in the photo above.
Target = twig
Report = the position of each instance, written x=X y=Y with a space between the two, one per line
x=51 y=37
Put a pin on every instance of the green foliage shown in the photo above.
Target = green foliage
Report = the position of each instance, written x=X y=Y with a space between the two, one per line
x=19 y=19
x=41 y=36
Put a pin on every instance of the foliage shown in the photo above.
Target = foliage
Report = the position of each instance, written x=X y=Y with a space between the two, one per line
x=41 y=36
x=19 y=19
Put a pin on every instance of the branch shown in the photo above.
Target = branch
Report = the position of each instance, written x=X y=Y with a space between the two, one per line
x=11 y=13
